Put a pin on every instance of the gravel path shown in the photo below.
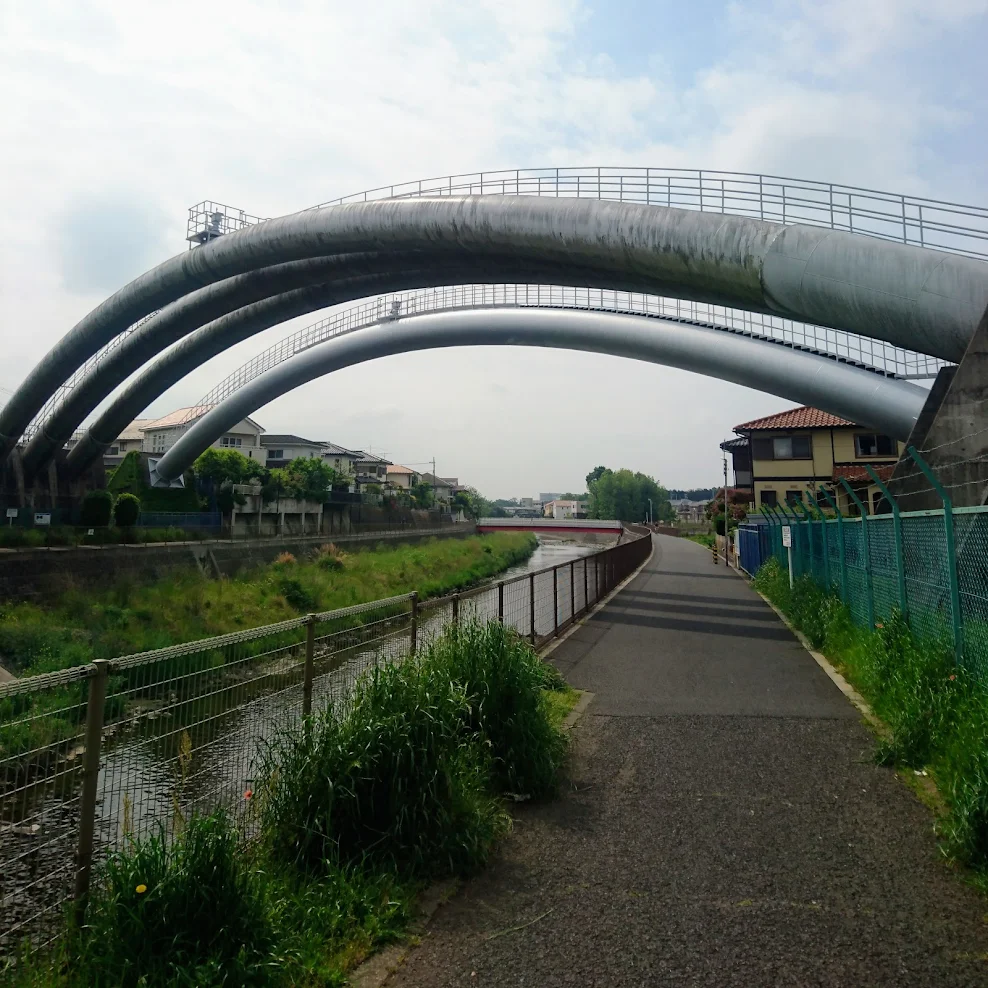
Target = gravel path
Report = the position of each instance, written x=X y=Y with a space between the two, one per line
x=724 y=825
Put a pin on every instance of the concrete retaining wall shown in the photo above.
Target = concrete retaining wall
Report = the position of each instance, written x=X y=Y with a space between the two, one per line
x=26 y=573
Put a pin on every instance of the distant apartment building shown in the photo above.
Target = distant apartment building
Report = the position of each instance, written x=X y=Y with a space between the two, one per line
x=159 y=435
x=282 y=449
x=132 y=438
x=564 y=509
x=690 y=512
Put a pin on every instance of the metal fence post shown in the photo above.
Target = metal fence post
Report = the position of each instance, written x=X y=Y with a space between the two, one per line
x=867 y=550
x=500 y=602
x=572 y=589
x=310 y=651
x=586 y=587
x=555 y=601
x=900 y=562
x=840 y=544
x=95 y=707
x=456 y=609
x=948 y=531
x=415 y=621
x=531 y=604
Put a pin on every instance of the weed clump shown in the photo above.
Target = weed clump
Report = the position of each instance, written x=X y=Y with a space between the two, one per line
x=407 y=774
x=330 y=558
x=186 y=911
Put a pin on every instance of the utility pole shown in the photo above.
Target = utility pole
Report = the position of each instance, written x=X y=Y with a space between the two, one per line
x=726 y=536
x=434 y=481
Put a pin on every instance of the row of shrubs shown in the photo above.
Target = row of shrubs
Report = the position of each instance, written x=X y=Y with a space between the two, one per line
x=357 y=807
x=936 y=711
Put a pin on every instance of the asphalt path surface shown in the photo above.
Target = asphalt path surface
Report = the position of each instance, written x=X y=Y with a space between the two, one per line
x=723 y=825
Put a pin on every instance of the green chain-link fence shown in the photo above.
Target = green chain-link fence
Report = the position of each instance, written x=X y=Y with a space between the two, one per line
x=932 y=566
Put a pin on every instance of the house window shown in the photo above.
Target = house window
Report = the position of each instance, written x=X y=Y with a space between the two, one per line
x=158 y=442
x=782 y=448
x=791 y=448
x=870 y=444
x=276 y=454
x=794 y=497
x=232 y=441
x=769 y=499
x=113 y=451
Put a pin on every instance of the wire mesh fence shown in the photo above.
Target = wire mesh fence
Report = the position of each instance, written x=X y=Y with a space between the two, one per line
x=96 y=754
x=930 y=566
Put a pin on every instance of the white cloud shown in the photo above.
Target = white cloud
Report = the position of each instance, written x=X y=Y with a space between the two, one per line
x=151 y=107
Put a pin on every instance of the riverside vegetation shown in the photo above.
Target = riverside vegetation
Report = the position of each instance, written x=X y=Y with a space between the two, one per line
x=80 y=626
x=936 y=711
x=359 y=808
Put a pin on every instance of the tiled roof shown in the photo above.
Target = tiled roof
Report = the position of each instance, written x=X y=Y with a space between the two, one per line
x=331 y=449
x=796 y=418
x=134 y=431
x=287 y=441
x=740 y=443
x=398 y=468
x=855 y=473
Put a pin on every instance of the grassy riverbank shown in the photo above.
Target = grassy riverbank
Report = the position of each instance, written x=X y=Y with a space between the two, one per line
x=421 y=764
x=936 y=712
x=85 y=624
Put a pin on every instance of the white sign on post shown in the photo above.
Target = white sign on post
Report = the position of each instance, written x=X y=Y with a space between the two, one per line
x=787 y=545
x=12 y=513
x=42 y=518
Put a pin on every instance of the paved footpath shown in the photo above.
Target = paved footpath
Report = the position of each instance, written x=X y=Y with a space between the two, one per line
x=724 y=826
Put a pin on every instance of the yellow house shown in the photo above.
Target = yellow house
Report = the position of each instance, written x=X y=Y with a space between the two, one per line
x=794 y=453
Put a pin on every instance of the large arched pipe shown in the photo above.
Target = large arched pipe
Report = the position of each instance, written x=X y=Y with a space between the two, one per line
x=891 y=406
x=350 y=273
x=214 y=338
x=179 y=319
x=922 y=300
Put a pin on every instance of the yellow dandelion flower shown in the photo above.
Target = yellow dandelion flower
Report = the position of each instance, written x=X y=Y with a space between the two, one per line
x=141 y=889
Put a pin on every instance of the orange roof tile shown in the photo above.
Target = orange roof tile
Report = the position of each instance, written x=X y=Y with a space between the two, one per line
x=803 y=417
x=854 y=473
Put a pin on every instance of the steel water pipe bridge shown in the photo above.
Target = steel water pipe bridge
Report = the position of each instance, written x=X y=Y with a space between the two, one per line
x=843 y=266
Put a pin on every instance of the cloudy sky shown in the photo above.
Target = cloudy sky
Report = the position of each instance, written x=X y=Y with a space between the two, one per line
x=118 y=116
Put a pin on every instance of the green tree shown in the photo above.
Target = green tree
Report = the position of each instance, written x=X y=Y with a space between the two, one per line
x=97 y=507
x=423 y=496
x=624 y=496
x=593 y=475
x=308 y=478
x=127 y=510
x=217 y=470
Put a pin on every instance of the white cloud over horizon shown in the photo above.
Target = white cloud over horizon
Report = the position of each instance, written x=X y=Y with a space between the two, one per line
x=123 y=115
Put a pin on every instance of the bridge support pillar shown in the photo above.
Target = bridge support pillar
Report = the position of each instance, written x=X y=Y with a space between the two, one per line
x=951 y=434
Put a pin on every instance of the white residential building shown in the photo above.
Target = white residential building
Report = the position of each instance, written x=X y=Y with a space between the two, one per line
x=162 y=433
x=404 y=478
x=282 y=449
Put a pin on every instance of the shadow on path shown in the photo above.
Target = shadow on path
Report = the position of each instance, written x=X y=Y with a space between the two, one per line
x=724 y=825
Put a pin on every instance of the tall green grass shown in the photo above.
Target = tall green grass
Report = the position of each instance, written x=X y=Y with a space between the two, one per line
x=359 y=805
x=407 y=773
x=936 y=711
